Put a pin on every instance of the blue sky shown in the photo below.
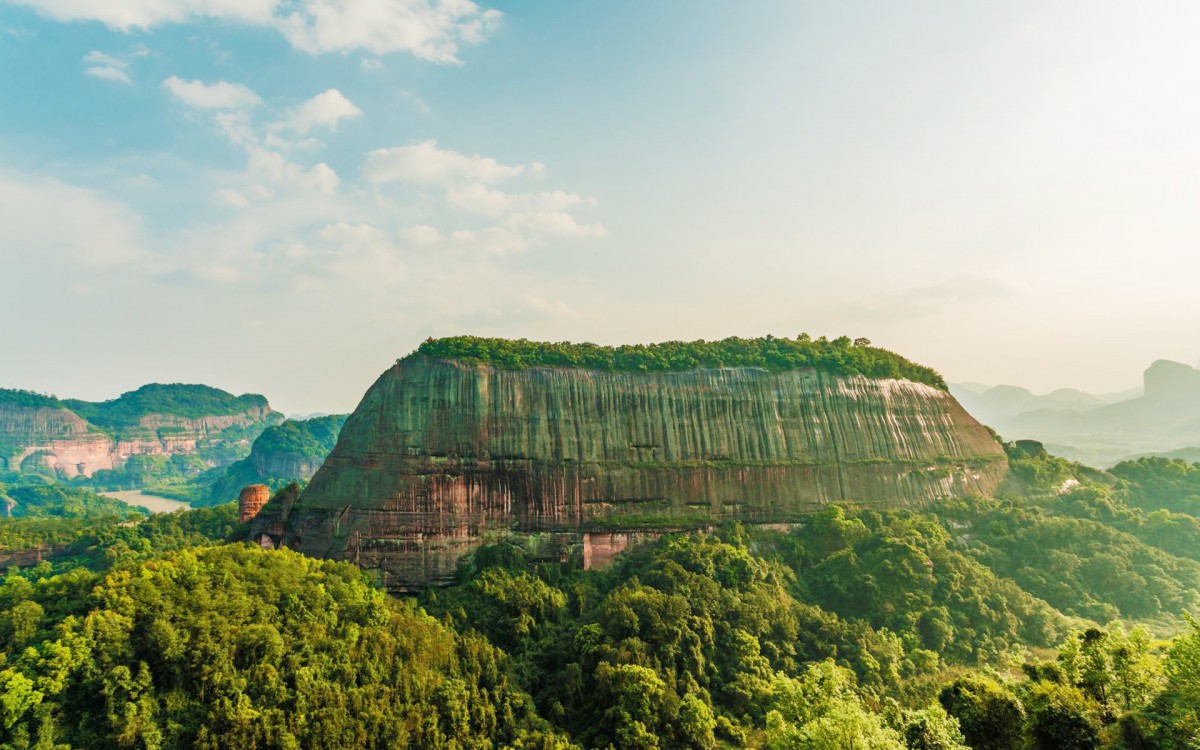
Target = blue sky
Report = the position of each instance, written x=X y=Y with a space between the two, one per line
x=284 y=196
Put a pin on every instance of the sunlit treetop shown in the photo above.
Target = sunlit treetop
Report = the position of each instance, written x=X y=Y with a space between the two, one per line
x=842 y=356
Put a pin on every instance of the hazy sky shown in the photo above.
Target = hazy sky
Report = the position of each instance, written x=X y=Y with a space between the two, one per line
x=284 y=196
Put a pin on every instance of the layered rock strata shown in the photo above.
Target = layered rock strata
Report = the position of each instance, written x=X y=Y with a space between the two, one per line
x=440 y=455
x=34 y=438
x=251 y=500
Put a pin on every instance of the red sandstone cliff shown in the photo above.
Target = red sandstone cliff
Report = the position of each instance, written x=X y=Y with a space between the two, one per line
x=440 y=453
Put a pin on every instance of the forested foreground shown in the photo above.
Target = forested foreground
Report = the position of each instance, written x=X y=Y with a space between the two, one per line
x=1054 y=618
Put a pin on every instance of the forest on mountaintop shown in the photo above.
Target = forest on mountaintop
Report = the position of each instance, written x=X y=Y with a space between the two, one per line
x=842 y=355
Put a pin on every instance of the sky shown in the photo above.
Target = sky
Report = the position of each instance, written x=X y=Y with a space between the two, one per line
x=284 y=196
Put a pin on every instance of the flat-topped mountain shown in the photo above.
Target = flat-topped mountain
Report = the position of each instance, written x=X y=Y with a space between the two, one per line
x=1162 y=418
x=71 y=437
x=469 y=436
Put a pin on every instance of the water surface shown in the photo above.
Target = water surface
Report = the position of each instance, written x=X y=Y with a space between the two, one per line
x=152 y=503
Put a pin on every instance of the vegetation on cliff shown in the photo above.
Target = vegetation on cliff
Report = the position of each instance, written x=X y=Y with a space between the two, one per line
x=311 y=438
x=176 y=399
x=28 y=399
x=157 y=437
x=841 y=356
x=283 y=454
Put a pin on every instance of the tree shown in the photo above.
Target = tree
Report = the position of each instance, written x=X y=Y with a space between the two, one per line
x=1061 y=718
x=990 y=715
x=932 y=729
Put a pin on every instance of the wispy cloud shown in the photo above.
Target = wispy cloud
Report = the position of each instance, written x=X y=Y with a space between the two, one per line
x=106 y=67
x=432 y=30
x=468 y=180
x=325 y=110
x=221 y=95
x=424 y=162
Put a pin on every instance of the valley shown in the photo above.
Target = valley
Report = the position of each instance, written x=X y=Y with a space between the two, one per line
x=152 y=503
x=768 y=543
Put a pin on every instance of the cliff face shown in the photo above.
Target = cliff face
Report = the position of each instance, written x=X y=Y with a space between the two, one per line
x=51 y=437
x=440 y=453
x=36 y=437
x=285 y=464
x=282 y=454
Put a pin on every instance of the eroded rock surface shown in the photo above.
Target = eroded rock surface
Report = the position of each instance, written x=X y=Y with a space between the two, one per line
x=34 y=438
x=440 y=455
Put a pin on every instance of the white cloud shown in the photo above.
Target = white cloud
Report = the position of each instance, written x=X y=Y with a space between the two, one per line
x=418 y=103
x=422 y=235
x=429 y=29
x=221 y=95
x=130 y=14
x=274 y=167
x=325 y=110
x=108 y=73
x=141 y=181
x=524 y=220
x=96 y=57
x=481 y=199
x=425 y=163
x=106 y=67
x=231 y=198
x=552 y=223
x=555 y=308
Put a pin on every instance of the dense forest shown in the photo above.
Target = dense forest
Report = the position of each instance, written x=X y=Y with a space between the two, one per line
x=1055 y=617
x=176 y=399
x=28 y=399
x=842 y=355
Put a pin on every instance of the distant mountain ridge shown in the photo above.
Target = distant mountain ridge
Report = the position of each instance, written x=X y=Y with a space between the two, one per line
x=72 y=437
x=1164 y=417
x=282 y=454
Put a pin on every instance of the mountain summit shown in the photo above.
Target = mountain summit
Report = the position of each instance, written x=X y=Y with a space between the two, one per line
x=469 y=437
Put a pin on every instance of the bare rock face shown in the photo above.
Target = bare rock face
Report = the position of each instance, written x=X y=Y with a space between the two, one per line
x=54 y=438
x=251 y=501
x=285 y=464
x=36 y=437
x=440 y=454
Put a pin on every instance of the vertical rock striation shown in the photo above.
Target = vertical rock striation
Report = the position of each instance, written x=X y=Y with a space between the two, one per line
x=73 y=438
x=440 y=454
x=251 y=500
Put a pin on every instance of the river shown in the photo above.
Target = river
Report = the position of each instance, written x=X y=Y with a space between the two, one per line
x=152 y=503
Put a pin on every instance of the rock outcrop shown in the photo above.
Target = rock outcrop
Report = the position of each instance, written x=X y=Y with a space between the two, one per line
x=73 y=438
x=251 y=500
x=441 y=454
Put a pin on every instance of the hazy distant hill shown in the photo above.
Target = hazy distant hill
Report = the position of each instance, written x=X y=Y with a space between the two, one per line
x=1000 y=403
x=132 y=437
x=1099 y=429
